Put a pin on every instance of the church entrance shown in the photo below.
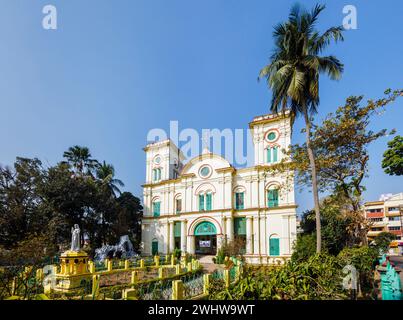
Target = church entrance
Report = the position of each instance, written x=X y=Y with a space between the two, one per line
x=205 y=238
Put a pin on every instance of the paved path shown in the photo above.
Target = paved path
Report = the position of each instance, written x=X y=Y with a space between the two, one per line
x=207 y=263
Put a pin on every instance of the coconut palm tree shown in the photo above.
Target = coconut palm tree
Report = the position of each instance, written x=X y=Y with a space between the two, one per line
x=106 y=173
x=80 y=159
x=293 y=75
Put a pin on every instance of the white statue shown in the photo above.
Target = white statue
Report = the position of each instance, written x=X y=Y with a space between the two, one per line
x=75 y=238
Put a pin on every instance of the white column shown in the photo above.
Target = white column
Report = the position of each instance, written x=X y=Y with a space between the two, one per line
x=165 y=238
x=249 y=235
x=171 y=237
x=183 y=236
x=256 y=235
x=191 y=244
x=230 y=228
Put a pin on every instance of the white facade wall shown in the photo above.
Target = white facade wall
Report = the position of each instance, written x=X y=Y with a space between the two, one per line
x=262 y=222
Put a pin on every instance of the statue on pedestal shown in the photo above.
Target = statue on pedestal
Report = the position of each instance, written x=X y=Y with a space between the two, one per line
x=75 y=238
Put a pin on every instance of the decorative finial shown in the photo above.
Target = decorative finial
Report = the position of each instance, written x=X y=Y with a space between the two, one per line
x=206 y=141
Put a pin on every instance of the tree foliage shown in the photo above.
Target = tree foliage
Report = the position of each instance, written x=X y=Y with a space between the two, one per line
x=317 y=278
x=393 y=157
x=293 y=75
x=46 y=202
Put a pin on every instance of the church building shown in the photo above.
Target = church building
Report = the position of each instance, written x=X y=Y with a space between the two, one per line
x=199 y=204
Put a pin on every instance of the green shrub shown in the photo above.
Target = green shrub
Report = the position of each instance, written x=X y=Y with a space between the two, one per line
x=304 y=247
x=319 y=277
x=364 y=259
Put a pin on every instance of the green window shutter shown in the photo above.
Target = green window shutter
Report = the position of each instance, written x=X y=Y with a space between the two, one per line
x=154 y=248
x=241 y=206
x=275 y=152
x=269 y=197
x=156 y=209
x=201 y=202
x=159 y=174
x=208 y=201
x=178 y=205
x=268 y=155
x=275 y=197
x=272 y=198
x=240 y=226
x=177 y=229
x=154 y=175
x=239 y=198
x=274 y=244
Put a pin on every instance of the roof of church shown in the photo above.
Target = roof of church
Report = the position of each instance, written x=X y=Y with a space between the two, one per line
x=266 y=118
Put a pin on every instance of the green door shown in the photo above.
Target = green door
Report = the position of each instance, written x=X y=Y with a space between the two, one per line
x=154 y=248
x=274 y=246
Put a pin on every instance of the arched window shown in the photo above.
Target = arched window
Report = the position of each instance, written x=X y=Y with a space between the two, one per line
x=274 y=245
x=272 y=154
x=272 y=197
x=178 y=204
x=154 y=247
x=157 y=174
x=239 y=197
x=156 y=208
x=205 y=201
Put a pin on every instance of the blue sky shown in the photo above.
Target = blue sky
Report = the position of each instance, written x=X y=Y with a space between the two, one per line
x=113 y=70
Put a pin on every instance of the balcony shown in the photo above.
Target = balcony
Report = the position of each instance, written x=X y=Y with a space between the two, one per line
x=374 y=214
x=396 y=232
x=394 y=213
x=373 y=233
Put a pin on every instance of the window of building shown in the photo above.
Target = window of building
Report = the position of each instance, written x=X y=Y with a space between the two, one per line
x=205 y=202
x=177 y=234
x=272 y=198
x=394 y=228
x=205 y=171
x=156 y=208
x=239 y=200
x=178 y=205
x=376 y=219
x=240 y=233
x=272 y=154
x=154 y=247
x=377 y=229
x=208 y=201
x=157 y=174
x=274 y=246
x=393 y=209
x=271 y=136
x=375 y=210
x=394 y=218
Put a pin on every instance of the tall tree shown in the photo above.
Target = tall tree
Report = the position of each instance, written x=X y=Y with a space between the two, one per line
x=341 y=145
x=293 y=75
x=80 y=159
x=392 y=161
x=106 y=173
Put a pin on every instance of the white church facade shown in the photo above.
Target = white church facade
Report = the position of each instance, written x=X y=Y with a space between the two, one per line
x=199 y=205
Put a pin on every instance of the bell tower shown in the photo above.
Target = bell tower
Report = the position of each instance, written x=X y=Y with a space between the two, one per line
x=270 y=133
x=163 y=161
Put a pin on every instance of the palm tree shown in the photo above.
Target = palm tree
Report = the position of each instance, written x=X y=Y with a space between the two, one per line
x=293 y=75
x=80 y=159
x=106 y=173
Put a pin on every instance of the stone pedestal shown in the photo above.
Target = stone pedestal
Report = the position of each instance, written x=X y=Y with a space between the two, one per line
x=74 y=272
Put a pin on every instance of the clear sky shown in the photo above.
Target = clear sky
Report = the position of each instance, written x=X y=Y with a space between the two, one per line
x=113 y=70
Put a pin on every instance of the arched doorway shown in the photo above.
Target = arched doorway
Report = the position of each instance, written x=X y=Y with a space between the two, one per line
x=205 y=238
